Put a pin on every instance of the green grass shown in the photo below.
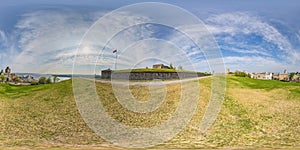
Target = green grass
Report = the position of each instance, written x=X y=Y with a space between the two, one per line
x=262 y=84
x=255 y=114
x=11 y=91
x=291 y=88
x=41 y=115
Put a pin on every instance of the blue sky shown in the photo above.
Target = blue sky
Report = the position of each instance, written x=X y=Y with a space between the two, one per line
x=43 y=36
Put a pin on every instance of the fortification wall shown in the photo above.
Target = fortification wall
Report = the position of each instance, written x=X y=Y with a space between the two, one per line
x=149 y=75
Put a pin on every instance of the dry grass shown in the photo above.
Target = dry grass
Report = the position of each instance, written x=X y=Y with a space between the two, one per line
x=255 y=114
x=140 y=93
x=125 y=116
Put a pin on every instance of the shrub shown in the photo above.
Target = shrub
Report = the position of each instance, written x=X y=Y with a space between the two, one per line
x=34 y=83
x=42 y=80
x=48 y=81
x=240 y=74
x=2 y=77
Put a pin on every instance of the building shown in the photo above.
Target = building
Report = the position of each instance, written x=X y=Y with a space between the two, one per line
x=284 y=77
x=276 y=76
x=27 y=79
x=296 y=77
x=263 y=76
x=106 y=74
x=147 y=74
x=160 y=66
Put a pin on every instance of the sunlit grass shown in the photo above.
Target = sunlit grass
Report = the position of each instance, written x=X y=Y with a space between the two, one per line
x=255 y=114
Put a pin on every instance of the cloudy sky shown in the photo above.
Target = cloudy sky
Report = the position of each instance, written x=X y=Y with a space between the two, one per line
x=48 y=36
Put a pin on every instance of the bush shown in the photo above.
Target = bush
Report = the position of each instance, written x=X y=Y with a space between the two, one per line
x=240 y=74
x=207 y=74
x=34 y=83
x=2 y=77
x=42 y=80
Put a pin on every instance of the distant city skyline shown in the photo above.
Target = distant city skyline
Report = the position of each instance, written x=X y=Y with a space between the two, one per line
x=255 y=36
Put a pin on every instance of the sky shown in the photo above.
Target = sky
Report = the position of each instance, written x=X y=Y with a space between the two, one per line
x=46 y=36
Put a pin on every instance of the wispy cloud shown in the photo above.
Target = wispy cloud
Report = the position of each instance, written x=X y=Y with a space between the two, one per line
x=239 y=28
x=3 y=37
x=49 y=35
x=46 y=41
x=256 y=64
x=250 y=37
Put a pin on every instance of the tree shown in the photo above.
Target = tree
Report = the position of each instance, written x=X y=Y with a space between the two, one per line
x=2 y=78
x=55 y=78
x=48 y=81
x=292 y=75
x=42 y=80
x=240 y=74
x=180 y=67
x=171 y=66
x=16 y=79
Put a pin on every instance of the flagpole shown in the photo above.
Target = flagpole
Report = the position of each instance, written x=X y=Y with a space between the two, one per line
x=116 y=60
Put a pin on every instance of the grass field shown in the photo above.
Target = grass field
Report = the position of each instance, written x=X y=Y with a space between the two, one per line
x=255 y=114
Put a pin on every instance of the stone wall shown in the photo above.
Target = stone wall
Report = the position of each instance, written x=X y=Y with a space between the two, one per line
x=150 y=75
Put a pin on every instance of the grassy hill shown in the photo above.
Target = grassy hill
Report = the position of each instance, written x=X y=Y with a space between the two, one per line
x=255 y=113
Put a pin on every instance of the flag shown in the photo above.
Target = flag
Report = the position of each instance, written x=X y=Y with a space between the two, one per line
x=114 y=51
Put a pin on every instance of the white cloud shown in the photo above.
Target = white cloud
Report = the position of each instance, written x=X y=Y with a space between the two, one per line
x=43 y=35
x=200 y=48
x=7 y=49
x=298 y=36
x=49 y=40
x=115 y=31
x=250 y=49
x=3 y=37
x=257 y=64
x=238 y=24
